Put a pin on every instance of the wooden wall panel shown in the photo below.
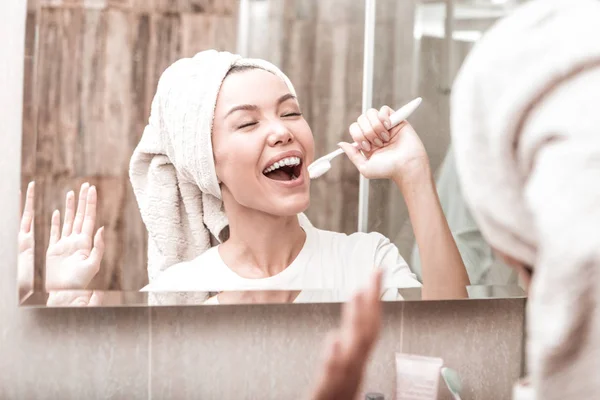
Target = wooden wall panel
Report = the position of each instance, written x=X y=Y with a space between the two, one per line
x=89 y=83
x=28 y=159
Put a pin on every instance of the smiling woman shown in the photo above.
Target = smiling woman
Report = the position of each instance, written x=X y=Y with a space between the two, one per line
x=224 y=161
x=261 y=149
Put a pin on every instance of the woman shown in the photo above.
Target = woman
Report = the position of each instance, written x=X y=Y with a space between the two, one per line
x=227 y=146
x=525 y=127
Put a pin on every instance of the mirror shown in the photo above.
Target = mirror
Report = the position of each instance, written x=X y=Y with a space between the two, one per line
x=421 y=57
x=91 y=73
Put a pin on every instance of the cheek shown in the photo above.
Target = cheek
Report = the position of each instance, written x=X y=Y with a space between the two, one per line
x=306 y=139
x=236 y=161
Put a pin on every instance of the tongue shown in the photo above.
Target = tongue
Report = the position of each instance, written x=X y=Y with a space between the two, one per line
x=278 y=175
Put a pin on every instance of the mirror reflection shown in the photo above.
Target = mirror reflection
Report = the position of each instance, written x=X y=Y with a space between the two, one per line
x=161 y=167
x=431 y=42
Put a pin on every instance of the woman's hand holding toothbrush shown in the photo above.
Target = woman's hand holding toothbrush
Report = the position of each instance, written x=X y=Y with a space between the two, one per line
x=396 y=154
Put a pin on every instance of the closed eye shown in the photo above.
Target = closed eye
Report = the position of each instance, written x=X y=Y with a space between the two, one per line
x=246 y=125
x=292 y=115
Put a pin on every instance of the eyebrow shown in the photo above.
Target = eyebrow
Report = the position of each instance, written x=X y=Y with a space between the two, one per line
x=252 y=107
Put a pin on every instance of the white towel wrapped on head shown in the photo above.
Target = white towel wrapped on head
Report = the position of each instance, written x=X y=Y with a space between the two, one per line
x=172 y=170
x=526 y=133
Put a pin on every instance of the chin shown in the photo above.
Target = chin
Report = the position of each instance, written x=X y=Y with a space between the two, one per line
x=289 y=207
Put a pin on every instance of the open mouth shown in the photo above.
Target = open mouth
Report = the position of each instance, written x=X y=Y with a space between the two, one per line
x=287 y=169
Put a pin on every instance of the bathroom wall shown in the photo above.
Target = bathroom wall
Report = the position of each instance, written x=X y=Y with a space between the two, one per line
x=249 y=352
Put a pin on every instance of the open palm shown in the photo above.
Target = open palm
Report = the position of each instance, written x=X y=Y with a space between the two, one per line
x=74 y=255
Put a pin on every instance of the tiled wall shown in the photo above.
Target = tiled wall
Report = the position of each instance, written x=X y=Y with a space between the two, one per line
x=247 y=352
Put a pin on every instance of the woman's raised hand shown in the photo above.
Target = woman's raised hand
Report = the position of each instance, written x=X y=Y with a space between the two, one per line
x=386 y=153
x=349 y=348
x=25 y=262
x=74 y=254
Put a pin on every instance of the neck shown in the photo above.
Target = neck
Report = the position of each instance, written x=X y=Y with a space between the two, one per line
x=261 y=245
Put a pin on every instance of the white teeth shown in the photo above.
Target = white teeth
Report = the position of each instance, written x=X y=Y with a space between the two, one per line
x=289 y=161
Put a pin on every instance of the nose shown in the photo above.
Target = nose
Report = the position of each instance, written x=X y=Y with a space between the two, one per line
x=279 y=134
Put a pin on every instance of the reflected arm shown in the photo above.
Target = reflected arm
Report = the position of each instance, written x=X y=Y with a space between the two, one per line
x=443 y=271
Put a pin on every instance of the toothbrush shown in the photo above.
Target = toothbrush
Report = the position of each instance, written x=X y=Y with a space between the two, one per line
x=452 y=381
x=321 y=166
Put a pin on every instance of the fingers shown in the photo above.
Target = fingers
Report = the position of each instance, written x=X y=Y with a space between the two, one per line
x=358 y=159
x=384 y=115
x=28 y=209
x=359 y=338
x=69 y=213
x=81 y=205
x=331 y=380
x=362 y=319
x=333 y=352
x=370 y=313
x=97 y=252
x=376 y=124
x=375 y=286
x=374 y=301
x=89 y=219
x=55 y=227
x=370 y=131
x=358 y=137
x=96 y=299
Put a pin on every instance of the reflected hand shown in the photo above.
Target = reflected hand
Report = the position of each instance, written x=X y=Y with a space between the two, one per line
x=25 y=263
x=387 y=154
x=349 y=348
x=72 y=258
x=74 y=298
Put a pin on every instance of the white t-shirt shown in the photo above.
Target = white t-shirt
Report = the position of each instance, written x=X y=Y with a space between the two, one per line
x=331 y=266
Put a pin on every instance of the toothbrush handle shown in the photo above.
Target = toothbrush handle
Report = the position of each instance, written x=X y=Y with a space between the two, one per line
x=396 y=118
x=404 y=112
x=336 y=153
